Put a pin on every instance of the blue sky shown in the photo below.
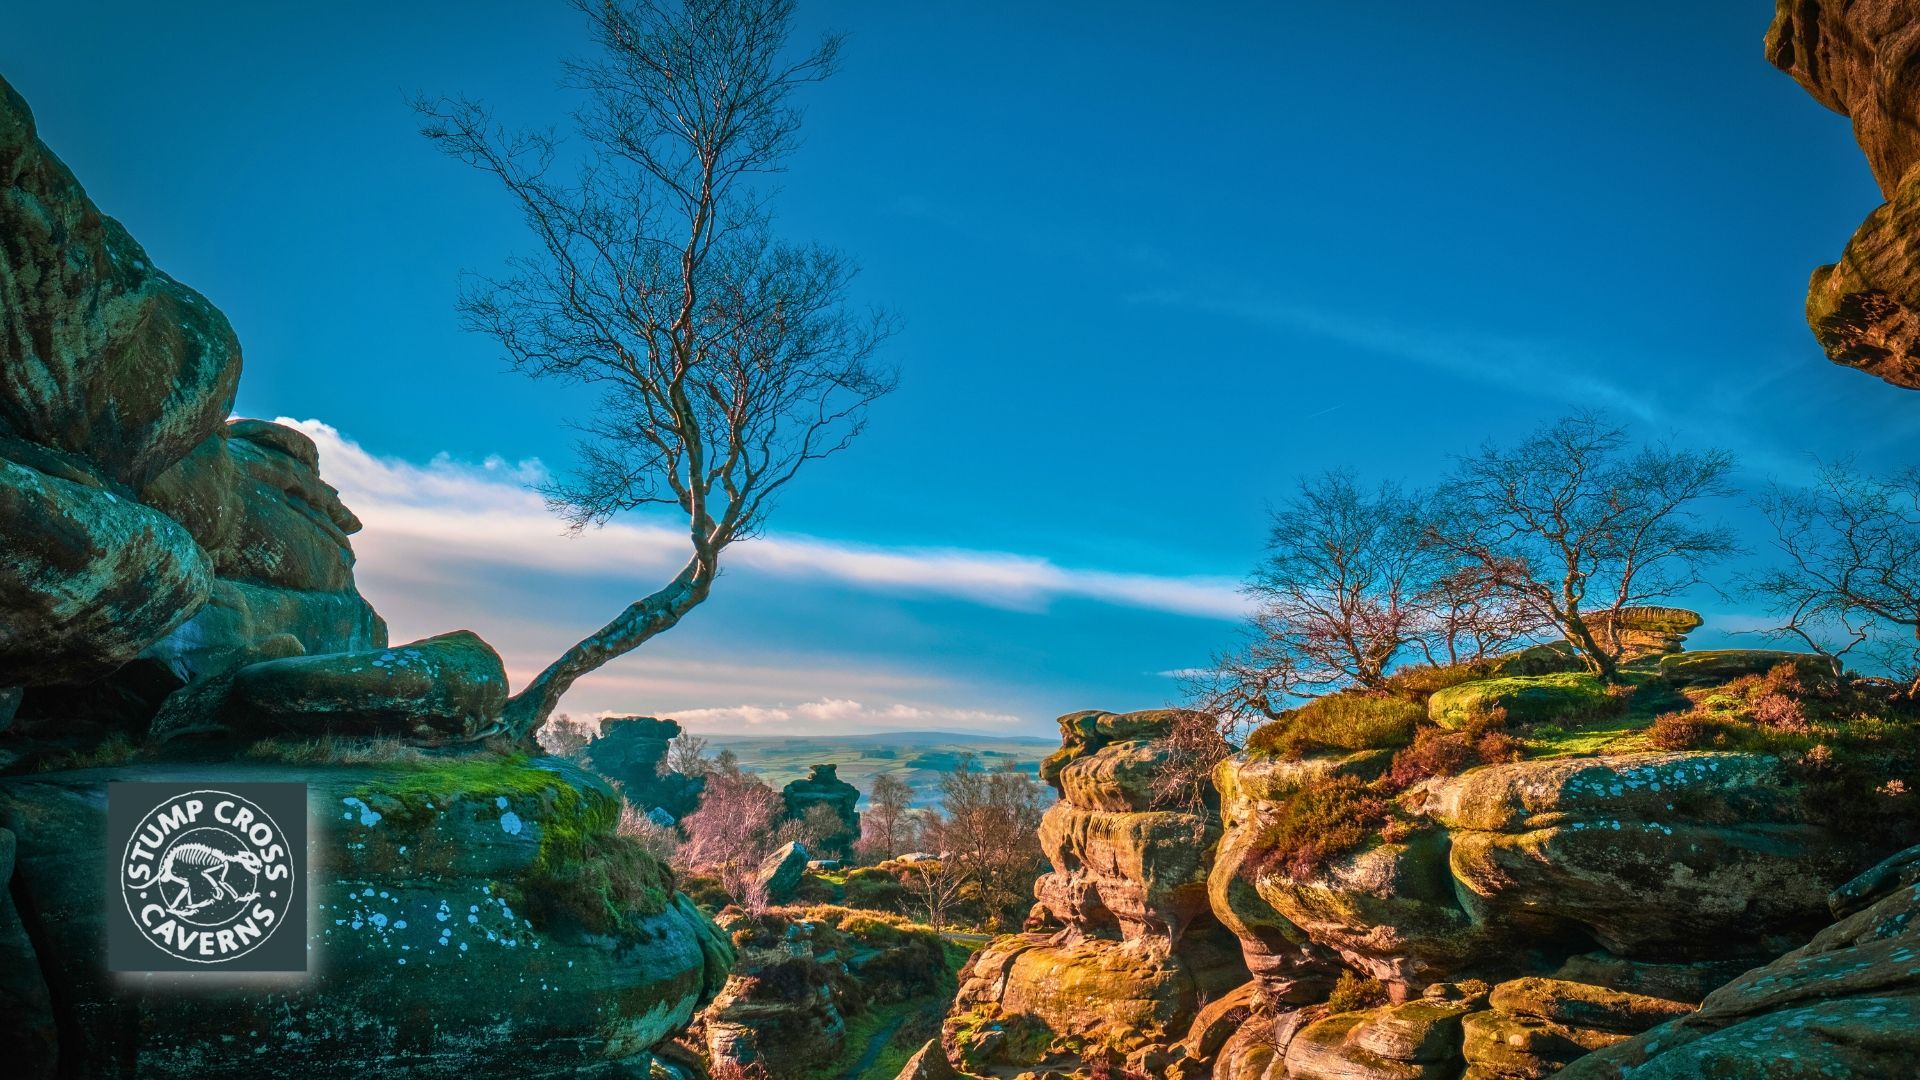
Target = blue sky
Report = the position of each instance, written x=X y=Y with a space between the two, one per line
x=1152 y=265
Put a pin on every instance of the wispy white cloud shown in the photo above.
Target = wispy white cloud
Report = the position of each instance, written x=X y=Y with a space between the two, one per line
x=417 y=515
x=842 y=714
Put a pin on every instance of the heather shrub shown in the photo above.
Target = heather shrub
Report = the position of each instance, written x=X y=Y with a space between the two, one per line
x=1354 y=992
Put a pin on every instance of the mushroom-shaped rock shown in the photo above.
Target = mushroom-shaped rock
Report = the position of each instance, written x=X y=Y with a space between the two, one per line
x=822 y=786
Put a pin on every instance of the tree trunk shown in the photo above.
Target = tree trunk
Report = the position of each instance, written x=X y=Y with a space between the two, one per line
x=529 y=708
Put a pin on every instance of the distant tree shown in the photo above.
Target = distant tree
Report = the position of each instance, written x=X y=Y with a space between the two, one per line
x=686 y=755
x=1852 y=572
x=725 y=358
x=1573 y=525
x=988 y=830
x=885 y=826
x=818 y=830
x=732 y=830
x=562 y=736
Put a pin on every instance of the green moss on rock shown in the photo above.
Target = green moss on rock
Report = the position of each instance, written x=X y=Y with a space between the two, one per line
x=1566 y=697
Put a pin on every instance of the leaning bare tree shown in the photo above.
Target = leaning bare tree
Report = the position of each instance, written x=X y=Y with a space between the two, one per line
x=725 y=358
x=1575 y=525
x=1852 y=572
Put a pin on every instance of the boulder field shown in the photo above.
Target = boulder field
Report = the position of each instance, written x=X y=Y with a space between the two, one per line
x=177 y=603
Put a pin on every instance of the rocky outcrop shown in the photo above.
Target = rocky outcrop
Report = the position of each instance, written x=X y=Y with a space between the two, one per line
x=822 y=786
x=1123 y=950
x=1663 y=857
x=141 y=524
x=447 y=686
x=631 y=751
x=164 y=573
x=464 y=922
x=1862 y=59
x=801 y=973
x=1845 y=1004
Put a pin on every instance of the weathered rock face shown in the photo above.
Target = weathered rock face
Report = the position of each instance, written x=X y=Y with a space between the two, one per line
x=632 y=750
x=1127 y=950
x=140 y=522
x=1660 y=857
x=108 y=360
x=464 y=922
x=1862 y=59
x=822 y=786
x=1845 y=1004
x=1644 y=631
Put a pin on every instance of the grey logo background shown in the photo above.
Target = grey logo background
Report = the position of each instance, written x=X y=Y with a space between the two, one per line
x=206 y=877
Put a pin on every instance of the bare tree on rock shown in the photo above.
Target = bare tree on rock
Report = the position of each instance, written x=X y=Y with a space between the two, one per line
x=1852 y=571
x=725 y=359
x=1575 y=525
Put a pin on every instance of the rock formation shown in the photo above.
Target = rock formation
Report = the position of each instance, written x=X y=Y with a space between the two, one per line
x=1845 y=1004
x=822 y=786
x=631 y=751
x=1122 y=950
x=801 y=973
x=177 y=603
x=1862 y=59
x=471 y=917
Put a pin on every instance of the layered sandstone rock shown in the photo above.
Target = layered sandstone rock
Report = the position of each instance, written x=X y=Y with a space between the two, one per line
x=1125 y=949
x=1862 y=59
x=1845 y=1004
x=632 y=752
x=1661 y=857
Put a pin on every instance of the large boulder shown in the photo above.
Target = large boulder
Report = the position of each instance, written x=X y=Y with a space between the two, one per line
x=780 y=872
x=447 y=686
x=1861 y=58
x=88 y=578
x=475 y=916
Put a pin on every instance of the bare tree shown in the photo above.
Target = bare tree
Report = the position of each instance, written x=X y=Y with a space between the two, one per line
x=1852 y=572
x=818 y=830
x=725 y=359
x=1351 y=586
x=989 y=831
x=935 y=885
x=1574 y=525
x=1191 y=749
x=732 y=830
x=885 y=825
x=686 y=755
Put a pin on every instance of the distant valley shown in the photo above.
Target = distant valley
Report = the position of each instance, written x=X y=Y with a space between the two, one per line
x=921 y=758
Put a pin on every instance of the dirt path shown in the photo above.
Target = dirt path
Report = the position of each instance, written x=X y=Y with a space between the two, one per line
x=872 y=1054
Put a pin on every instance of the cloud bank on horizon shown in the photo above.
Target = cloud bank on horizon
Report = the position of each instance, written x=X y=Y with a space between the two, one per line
x=448 y=543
